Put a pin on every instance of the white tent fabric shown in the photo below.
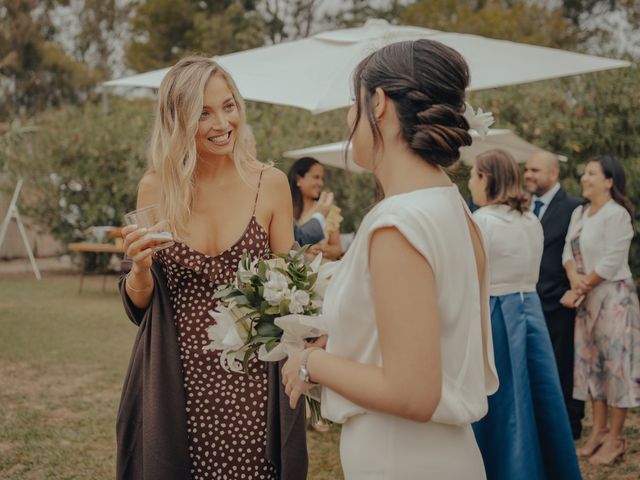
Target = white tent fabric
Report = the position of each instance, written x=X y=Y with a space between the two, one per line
x=313 y=73
x=332 y=154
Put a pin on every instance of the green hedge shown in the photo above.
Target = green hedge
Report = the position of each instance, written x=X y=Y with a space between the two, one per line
x=83 y=166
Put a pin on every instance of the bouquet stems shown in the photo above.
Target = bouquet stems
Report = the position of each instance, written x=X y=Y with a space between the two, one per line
x=314 y=408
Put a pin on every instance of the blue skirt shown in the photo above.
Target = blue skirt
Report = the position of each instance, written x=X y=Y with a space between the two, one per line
x=526 y=433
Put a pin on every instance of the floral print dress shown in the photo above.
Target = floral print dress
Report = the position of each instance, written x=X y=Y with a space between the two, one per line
x=607 y=341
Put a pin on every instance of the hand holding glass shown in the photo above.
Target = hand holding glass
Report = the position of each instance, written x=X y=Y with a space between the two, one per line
x=151 y=218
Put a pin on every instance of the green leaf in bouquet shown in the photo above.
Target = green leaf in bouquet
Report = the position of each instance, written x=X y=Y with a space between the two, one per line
x=245 y=360
x=264 y=306
x=268 y=329
x=247 y=316
x=294 y=274
x=224 y=292
x=250 y=294
x=284 y=272
x=248 y=355
x=245 y=261
x=272 y=310
x=240 y=300
x=284 y=307
x=264 y=340
x=270 y=345
x=262 y=269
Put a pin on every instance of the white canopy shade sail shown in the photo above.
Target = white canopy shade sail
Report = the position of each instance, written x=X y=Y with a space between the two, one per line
x=332 y=154
x=314 y=73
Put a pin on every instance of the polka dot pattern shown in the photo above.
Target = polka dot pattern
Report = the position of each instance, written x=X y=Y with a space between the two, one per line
x=226 y=411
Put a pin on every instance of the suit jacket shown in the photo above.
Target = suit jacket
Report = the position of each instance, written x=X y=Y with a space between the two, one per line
x=308 y=233
x=151 y=426
x=553 y=281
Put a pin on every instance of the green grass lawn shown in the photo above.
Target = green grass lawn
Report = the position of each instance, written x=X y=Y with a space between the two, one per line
x=63 y=357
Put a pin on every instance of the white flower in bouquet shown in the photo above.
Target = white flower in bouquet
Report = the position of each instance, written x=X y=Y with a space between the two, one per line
x=295 y=329
x=276 y=288
x=298 y=299
x=229 y=334
x=246 y=272
x=269 y=311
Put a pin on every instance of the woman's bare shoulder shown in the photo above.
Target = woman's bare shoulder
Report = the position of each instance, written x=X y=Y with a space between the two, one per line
x=274 y=181
x=275 y=186
x=149 y=189
x=273 y=176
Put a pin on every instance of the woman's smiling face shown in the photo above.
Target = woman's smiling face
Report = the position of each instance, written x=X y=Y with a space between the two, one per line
x=219 y=120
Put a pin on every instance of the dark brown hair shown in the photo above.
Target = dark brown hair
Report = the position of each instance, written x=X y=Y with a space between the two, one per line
x=503 y=179
x=426 y=80
x=299 y=168
x=612 y=168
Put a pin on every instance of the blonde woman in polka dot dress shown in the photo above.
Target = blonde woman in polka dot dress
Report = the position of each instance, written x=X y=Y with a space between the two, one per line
x=220 y=202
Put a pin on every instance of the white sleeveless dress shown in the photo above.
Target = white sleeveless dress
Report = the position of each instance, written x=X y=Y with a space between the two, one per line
x=379 y=446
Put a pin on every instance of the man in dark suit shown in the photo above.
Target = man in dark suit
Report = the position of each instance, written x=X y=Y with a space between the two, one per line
x=553 y=206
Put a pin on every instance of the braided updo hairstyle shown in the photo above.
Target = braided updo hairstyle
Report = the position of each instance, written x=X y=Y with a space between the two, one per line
x=426 y=81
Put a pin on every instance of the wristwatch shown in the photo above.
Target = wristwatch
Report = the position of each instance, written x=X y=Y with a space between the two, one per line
x=303 y=373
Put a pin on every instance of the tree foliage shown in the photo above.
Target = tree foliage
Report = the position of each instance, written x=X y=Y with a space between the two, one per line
x=517 y=20
x=579 y=117
x=36 y=72
x=81 y=167
x=166 y=30
x=88 y=164
x=101 y=22
x=579 y=10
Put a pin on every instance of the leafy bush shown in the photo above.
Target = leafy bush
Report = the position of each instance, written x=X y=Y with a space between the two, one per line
x=81 y=167
x=579 y=117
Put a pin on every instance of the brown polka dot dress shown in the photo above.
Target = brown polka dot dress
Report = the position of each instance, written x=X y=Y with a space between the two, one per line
x=226 y=411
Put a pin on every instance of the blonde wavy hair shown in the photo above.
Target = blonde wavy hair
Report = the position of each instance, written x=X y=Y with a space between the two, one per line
x=172 y=153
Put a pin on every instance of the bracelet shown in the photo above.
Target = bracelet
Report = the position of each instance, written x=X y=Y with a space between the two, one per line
x=136 y=290
x=303 y=373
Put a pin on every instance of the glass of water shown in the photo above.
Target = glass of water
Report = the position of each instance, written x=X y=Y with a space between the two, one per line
x=151 y=218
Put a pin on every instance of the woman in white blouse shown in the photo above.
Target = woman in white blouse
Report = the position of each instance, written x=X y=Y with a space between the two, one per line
x=526 y=434
x=409 y=363
x=596 y=258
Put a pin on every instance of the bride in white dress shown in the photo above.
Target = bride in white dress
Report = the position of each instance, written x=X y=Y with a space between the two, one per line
x=409 y=359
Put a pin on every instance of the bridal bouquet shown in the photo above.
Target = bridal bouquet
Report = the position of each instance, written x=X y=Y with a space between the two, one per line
x=269 y=311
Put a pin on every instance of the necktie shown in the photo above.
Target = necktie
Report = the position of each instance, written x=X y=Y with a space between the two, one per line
x=537 y=206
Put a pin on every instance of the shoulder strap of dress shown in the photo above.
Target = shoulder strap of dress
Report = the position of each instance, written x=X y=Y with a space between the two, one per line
x=255 y=203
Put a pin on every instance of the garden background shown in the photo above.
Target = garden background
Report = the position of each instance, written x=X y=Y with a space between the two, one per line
x=82 y=163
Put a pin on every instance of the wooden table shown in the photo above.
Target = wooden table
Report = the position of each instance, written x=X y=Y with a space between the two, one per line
x=92 y=247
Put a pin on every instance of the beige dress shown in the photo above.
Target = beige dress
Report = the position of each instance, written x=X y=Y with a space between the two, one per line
x=379 y=446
